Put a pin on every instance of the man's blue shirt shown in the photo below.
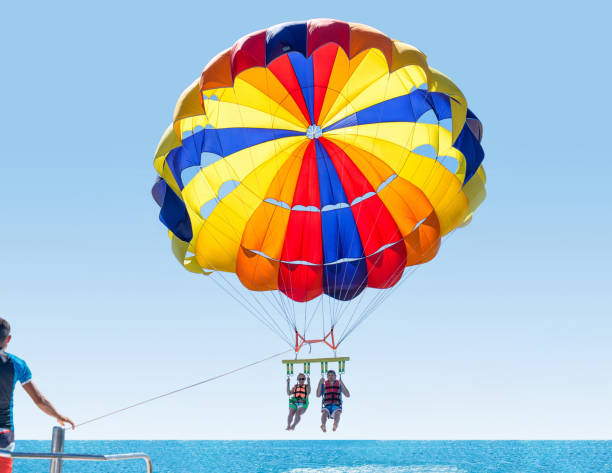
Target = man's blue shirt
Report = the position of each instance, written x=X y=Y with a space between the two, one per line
x=12 y=370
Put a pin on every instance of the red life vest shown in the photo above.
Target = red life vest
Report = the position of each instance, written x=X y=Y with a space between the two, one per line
x=332 y=394
x=300 y=391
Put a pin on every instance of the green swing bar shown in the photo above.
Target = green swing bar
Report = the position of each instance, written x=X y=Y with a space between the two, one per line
x=341 y=360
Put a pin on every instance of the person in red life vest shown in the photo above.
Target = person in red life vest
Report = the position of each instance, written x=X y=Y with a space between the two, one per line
x=332 y=391
x=12 y=370
x=298 y=400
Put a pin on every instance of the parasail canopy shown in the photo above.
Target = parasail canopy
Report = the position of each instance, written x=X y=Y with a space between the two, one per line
x=316 y=158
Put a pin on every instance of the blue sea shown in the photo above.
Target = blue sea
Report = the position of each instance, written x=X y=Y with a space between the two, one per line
x=337 y=456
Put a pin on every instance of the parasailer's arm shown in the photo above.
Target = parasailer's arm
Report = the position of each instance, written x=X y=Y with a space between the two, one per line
x=345 y=391
x=288 y=389
x=308 y=386
x=319 y=387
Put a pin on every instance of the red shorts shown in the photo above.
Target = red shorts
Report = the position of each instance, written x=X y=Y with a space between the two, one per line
x=6 y=464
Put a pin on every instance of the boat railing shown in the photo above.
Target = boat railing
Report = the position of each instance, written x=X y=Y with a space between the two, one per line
x=57 y=456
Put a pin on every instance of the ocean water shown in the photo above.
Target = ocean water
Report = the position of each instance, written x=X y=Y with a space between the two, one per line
x=336 y=456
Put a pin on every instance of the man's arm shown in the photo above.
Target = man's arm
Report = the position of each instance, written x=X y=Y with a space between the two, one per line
x=44 y=405
x=345 y=391
x=319 y=387
x=308 y=386
x=288 y=390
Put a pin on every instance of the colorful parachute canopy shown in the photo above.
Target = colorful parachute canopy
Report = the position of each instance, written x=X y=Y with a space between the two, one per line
x=317 y=157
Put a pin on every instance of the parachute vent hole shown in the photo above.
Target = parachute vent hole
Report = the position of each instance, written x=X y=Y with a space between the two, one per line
x=386 y=182
x=339 y=205
x=429 y=117
x=419 y=223
x=226 y=188
x=206 y=159
x=310 y=208
x=449 y=163
x=189 y=173
x=278 y=203
x=426 y=150
x=361 y=198
x=447 y=124
x=214 y=97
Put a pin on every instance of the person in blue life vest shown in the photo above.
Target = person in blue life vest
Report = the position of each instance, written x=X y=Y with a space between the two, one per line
x=298 y=400
x=12 y=370
x=332 y=391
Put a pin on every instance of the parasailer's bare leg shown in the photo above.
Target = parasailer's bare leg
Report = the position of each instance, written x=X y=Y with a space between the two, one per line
x=336 y=420
x=290 y=418
x=324 y=417
x=298 y=417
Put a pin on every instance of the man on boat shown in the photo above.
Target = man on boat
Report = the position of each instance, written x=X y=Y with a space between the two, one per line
x=298 y=400
x=332 y=391
x=13 y=369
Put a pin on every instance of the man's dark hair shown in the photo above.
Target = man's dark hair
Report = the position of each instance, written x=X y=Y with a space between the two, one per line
x=5 y=330
x=331 y=371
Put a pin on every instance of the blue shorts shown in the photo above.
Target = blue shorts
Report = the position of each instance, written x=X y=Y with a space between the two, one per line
x=7 y=440
x=331 y=409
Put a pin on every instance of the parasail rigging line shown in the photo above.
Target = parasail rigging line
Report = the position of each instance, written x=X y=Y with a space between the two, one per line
x=184 y=388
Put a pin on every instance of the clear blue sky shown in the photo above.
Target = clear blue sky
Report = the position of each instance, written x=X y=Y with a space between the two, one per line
x=505 y=335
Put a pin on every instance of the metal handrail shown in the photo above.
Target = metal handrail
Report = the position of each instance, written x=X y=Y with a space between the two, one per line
x=86 y=457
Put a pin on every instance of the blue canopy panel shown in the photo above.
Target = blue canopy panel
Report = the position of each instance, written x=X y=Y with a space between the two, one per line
x=471 y=148
x=173 y=213
x=405 y=108
x=187 y=155
x=304 y=72
x=219 y=141
x=345 y=272
x=284 y=38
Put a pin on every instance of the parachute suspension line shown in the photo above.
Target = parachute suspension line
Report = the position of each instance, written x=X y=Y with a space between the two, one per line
x=355 y=307
x=276 y=303
x=382 y=297
x=282 y=310
x=266 y=319
x=379 y=299
x=184 y=388
x=274 y=328
x=371 y=306
x=271 y=301
x=289 y=306
x=282 y=306
x=376 y=300
x=340 y=308
x=360 y=207
x=305 y=313
x=314 y=312
x=323 y=317
x=264 y=311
